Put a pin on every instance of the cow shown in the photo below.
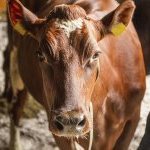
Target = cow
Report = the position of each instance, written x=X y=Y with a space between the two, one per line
x=82 y=60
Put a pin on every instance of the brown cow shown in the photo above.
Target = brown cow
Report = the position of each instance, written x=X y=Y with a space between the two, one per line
x=75 y=56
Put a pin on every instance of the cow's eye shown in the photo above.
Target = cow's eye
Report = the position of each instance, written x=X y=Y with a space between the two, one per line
x=40 y=56
x=95 y=56
x=92 y=61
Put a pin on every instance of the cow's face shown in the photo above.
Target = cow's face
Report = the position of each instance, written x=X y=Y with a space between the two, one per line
x=69 y=58
x=70 y=54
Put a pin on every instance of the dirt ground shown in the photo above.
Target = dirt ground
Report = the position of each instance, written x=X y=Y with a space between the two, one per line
x=34 y=132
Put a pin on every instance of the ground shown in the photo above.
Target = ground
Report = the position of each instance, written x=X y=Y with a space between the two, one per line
x=34 y=131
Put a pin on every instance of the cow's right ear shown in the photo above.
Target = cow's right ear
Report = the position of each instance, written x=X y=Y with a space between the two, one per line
x=22 y=19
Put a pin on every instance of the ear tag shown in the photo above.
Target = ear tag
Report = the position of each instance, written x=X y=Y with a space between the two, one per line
x=118 y=29
x=19 y=27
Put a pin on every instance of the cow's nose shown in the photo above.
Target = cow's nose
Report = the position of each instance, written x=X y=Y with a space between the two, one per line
x=75 y=123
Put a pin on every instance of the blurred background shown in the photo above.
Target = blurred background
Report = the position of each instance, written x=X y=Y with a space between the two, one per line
x=34 y=128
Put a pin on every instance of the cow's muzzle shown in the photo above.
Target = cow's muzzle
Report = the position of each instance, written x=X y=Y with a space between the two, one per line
x=70 y=124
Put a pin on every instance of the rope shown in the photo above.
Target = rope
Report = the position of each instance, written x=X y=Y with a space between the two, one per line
x=91 y=131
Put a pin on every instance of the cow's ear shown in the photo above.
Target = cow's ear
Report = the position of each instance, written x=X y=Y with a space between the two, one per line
x=22 y=19
x=117 y=21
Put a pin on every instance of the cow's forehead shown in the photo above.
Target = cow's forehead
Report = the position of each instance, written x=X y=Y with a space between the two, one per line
x=68 y=26
x=71 y=33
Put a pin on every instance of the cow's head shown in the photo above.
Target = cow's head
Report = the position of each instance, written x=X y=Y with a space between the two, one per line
x=69 y=58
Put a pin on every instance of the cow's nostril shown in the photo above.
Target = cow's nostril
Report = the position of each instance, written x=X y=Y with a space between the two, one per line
x=74 y=123
x=82 y=122
x=59 y=125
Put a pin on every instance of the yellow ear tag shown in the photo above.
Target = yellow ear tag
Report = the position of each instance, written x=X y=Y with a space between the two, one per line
x=118 y=29
x=18 y=27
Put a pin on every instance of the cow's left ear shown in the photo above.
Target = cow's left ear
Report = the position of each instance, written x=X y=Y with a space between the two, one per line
x=117 y=21
x=22 y=19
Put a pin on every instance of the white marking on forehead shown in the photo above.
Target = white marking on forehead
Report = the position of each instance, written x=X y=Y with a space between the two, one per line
x=69 y=25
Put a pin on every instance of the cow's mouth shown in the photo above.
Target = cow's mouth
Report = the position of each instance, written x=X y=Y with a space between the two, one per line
x=72 y=134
